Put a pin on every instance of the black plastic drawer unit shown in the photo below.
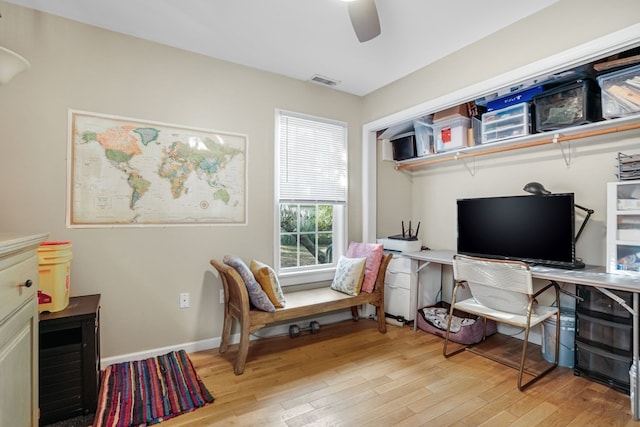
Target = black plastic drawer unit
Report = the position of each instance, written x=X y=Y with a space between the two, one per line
x=604 y=338
x=609 y=335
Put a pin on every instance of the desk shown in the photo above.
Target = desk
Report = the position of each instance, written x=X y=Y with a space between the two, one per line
x=595 y=276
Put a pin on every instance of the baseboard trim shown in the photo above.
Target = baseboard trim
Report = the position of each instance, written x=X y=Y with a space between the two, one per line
x=140 y=355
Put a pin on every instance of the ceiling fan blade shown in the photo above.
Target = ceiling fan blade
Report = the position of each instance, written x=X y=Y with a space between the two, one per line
x=364 y=18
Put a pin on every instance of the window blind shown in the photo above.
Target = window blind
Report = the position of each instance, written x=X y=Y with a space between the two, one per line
x=313 y=160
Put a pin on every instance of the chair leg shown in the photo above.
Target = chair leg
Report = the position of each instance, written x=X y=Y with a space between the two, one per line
x=523 y=358
x=226 y=333
x=446 y=336
x=522 y=386
x=382 y=322
x=354 y=313
x=243 y=349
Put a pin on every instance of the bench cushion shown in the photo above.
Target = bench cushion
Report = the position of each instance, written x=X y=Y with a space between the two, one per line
x=257 y=296
x=349 y=275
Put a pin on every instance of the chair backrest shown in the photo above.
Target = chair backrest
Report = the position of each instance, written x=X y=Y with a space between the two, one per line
x=235 y=291
x=498 y=284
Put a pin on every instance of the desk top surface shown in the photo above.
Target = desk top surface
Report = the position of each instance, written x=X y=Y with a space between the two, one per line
x=591 y=275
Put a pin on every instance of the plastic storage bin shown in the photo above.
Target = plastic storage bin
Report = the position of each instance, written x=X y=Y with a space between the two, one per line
x=54 y=265
x=509 y=122
x=404 y=146
x=598 y=304
x=620 y=92
x=572 y=104
x=514 y=98
x=627 y=260
x=451 y=134
x=424 y=137
x=566 y=353
x=609 y=368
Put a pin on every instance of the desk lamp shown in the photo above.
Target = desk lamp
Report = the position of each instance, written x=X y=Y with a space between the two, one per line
x=538 y=189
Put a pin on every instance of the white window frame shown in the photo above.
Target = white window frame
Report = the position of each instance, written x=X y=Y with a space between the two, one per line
x=318 y=273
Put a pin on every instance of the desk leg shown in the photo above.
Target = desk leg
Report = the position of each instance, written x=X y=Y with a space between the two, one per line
x=416 y=306
x=431 y=273
x=416 y=302
x=636 y=346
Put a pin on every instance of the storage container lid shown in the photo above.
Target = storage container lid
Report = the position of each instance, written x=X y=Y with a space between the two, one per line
x=403 y=135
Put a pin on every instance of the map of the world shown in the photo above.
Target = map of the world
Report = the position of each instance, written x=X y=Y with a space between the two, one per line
x=129 y=172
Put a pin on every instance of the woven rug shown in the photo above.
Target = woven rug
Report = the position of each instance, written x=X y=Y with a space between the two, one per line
x=149 y=391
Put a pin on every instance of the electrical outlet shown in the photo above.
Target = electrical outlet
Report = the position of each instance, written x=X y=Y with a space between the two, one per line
x=184 y=300
x=221 y=296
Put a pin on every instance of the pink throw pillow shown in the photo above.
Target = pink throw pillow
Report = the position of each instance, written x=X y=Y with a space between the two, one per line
x=373 y=253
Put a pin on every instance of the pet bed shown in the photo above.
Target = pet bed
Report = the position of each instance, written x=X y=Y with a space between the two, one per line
x=465 y=329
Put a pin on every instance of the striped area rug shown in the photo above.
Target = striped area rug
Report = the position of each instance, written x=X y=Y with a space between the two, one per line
x=149 y=391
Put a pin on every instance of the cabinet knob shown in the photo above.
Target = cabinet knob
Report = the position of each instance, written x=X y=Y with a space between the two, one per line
x=28 y=283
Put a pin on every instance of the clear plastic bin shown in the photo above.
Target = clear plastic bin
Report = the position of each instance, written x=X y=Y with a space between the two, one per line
x=620 y=92
x=509 y=122
x=571 y=104
x=451 y=134
x=424 y=137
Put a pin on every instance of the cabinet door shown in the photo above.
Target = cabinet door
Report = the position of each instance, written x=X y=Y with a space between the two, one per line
x=19 y=367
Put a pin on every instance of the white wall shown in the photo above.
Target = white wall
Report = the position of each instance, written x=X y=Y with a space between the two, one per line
x=565 y=25
x=141 y=271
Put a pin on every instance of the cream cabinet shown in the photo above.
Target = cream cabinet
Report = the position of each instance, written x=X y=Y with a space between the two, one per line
x=623 y=227
x=19 y=329
x=409 y=285
x=400 y=288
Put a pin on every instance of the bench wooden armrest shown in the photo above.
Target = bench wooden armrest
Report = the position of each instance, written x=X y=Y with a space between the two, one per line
x=299 y=304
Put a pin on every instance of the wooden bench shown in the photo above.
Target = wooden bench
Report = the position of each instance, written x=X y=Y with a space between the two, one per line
x=299 y=304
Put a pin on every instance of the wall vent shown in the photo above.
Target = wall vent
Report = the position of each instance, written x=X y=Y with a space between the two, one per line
x=317 y=78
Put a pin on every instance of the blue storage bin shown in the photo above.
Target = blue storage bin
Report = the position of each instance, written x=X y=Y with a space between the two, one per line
x=514 y=98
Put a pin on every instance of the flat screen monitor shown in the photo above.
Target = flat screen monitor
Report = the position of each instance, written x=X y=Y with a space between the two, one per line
x=537 y=229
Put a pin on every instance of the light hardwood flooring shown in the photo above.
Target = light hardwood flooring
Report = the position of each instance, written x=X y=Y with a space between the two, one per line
x=349 y=374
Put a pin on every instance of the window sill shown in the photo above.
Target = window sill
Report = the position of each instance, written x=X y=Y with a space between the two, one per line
x=306 y=277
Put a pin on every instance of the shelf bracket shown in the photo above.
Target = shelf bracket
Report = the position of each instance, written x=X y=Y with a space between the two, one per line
x=565 y=156
x=472 y=172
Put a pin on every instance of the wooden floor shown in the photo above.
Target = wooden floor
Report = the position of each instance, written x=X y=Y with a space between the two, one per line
x=349 y=374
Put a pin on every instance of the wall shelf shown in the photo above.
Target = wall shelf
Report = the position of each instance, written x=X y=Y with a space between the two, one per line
x=605 y=127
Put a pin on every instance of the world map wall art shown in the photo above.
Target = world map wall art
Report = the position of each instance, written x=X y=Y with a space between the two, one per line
x=129 y=172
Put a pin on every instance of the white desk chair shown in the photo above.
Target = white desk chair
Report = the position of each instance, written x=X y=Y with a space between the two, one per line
x=502 y=291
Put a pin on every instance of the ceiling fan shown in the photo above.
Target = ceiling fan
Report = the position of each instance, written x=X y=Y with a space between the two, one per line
x=364 y=18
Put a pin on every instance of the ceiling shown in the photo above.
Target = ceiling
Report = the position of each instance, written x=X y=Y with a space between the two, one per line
x=303 y=38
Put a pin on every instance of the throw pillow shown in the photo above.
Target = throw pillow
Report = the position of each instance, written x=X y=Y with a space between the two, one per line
x=373 y=252
x=349 y=274
x=258 y=298
x=268 y=280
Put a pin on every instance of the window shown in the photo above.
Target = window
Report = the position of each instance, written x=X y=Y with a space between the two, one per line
x=311 y=194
